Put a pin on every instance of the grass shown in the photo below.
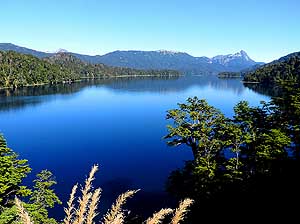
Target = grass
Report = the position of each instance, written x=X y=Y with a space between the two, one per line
x=83 y=209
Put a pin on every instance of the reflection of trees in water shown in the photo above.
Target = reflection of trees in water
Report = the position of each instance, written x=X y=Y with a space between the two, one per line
x=11 y=99
x=30 y=96
x=12 y=104
x=273 y=91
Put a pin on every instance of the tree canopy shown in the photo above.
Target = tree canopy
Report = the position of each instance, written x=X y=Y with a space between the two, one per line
x=37 y=201
x=247 y=159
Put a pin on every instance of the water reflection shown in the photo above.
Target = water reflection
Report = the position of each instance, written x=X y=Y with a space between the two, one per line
x=31 y=96
x=117 y=123
x=273 y=91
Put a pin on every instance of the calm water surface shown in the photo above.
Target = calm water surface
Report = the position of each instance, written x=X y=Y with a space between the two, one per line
x=118 y=124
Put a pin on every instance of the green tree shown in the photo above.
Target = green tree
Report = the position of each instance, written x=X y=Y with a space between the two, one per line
x=12 y=172
x=234 y=139
x=43 y=194
x=201 y=127
x=196 y=124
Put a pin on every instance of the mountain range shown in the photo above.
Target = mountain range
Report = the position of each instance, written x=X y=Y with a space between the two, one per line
x=160 y=59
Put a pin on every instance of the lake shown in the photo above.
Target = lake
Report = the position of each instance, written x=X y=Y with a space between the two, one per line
x=116 y=123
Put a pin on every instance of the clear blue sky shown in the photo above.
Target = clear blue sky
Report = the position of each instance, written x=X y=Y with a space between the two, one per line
x=266 y=29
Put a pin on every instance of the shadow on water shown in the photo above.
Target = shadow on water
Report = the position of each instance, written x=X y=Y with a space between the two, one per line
x=13 y=99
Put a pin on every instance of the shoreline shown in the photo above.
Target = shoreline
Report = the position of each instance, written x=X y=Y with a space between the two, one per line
x=86 y=78
x=250 y=82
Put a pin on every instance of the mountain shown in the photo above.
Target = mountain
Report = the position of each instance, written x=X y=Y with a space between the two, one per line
x=22 y=50
x=158 y=60
x=178 y=60
x=237 y=61
x=286 y=68
x=161 y=59
x=17 y=70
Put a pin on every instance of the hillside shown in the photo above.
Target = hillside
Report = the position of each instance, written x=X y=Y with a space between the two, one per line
x=161 y=59
x=87 y=70
x=22 y=70
x=286 y=68
x=22 y=50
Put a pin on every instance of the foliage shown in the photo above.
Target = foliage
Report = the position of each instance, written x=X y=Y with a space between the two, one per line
x=43 y=195
x=235 y=148
x=86 y=209
x=238 y=158
x=18 y=70
x=13 y=211
x=12 y=171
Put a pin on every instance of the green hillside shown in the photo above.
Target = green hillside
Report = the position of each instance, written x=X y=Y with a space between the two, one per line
x=285 y=69
x=17 y=70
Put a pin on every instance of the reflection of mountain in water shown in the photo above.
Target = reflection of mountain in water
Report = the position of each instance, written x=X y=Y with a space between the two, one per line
x=30 y=96
x=175 y=84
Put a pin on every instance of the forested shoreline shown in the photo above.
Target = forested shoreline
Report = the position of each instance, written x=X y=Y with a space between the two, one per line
x=19 y=70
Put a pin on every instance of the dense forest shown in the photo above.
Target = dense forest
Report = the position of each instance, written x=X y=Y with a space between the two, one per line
x=285 y=69
x=18 y=70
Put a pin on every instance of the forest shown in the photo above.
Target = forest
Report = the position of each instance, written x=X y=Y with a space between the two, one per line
x=18 y=70
x=285 y=69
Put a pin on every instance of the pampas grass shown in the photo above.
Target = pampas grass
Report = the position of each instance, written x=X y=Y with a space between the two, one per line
x=23 y=215
x=181 y=211
x=70 y=209
x=85 y=210
x=158 y=217
x=92 y=213
x=116 y=208
x=85 y=198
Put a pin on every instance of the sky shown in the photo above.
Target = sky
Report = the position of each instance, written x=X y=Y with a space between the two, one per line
x=265 y=29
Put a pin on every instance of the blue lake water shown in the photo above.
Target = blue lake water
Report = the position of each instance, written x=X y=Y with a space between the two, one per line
x=118 y=124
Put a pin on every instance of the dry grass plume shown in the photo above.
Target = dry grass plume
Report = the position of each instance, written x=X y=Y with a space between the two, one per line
x=158 y=217
x=70 y=209
x=181 y=211
x=116 y=208
x=84 y=210
x=23 y=215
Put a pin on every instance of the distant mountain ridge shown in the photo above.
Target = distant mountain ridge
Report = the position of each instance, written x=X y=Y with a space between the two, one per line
x=22 y=50
x=161 y=59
